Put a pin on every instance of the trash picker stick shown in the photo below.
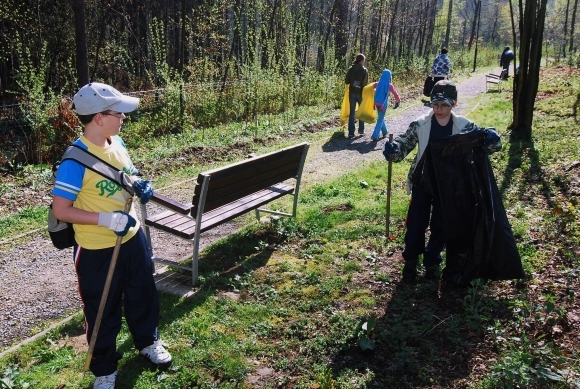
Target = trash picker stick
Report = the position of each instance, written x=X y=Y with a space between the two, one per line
x=390 y=172
x=105 y=293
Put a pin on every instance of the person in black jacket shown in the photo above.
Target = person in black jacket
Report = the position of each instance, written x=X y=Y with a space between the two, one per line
x=424 y=209
x=506 y=57
x=357 y=77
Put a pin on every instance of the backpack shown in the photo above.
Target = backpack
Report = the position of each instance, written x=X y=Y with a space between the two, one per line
x=61 y=233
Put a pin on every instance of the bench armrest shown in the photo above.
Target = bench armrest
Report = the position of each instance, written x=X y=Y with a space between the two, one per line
x=175 y=206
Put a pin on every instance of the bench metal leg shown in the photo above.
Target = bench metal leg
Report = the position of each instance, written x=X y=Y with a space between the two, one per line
x=195 y=260
x=147 y=235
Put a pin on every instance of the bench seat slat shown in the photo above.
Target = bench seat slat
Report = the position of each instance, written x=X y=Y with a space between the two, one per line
x=241 y=206
x=160 y=216
x=185 y=226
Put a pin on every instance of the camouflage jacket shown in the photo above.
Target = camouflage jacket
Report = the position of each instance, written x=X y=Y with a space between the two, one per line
x=441 y=66
x=418 y=134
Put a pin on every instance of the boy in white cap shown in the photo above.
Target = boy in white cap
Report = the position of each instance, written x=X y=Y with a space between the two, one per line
x=423 y=211
x=94 y=204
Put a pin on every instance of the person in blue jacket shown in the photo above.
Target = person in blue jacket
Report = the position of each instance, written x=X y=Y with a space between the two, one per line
x=383 y=88
x=423 y=212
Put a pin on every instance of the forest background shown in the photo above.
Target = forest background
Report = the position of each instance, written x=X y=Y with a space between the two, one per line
x=199 y=63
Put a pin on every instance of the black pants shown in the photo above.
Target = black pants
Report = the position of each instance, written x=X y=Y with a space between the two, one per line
x=506 y=66
x=419 y=217
x=132 y=285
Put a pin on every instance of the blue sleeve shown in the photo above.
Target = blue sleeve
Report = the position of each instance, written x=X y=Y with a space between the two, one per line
x=69 y=180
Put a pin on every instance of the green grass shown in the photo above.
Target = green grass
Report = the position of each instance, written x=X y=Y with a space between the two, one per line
x=300 y=308
x=23 y=221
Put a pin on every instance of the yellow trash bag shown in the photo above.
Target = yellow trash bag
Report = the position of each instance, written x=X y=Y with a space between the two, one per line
x=367 y=112
x=344 y=108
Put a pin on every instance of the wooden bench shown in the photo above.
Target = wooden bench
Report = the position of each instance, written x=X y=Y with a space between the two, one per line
x=225 y=193
x=494 y=79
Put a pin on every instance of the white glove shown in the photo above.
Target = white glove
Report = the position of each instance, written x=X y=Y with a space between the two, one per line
x=119 y=222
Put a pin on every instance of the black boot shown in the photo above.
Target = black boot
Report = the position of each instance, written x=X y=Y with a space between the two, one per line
x=410 y=269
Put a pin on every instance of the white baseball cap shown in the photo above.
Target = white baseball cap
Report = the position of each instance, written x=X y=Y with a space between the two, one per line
x=96 y=97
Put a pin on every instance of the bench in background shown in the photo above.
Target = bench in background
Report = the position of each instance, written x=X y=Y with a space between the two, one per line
x=495 y=79
x=225 y=193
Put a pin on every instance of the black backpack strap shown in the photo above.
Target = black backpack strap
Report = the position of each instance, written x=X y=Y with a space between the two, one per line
x=99 y=166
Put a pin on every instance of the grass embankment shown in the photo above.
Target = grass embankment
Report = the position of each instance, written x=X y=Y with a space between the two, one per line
x=318 y=302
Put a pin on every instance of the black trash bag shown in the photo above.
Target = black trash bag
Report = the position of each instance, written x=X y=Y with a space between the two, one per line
x=479 y=241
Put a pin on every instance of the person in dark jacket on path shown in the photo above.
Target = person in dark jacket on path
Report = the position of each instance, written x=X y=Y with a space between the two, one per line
x=357 y=77
x=506 y=57
x=423 y=211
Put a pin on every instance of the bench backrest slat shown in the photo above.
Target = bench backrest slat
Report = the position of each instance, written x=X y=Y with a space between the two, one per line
x=246 y=177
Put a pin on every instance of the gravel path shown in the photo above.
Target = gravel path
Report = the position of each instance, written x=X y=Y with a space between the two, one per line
x=337 y=156
x=38 y=283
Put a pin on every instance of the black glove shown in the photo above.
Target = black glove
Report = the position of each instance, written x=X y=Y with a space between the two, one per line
x=491 y=138
x=389 y=149
x=143 y=190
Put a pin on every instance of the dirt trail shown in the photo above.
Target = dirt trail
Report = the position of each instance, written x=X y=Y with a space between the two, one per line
x=38 y=282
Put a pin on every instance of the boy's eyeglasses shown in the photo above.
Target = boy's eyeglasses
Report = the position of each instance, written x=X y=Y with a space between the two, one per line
x=115 y=114
x=440 y=106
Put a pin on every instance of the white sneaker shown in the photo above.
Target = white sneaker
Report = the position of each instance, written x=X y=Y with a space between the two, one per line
x=105 y=382
x=157 y=354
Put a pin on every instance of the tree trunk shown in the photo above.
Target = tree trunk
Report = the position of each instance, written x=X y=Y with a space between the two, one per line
x=477 y=34
x=431 y=24
x=392 y=29
x=514 y=41
x=495 y=25
x=473 y=25
x=449 y=15
x=82 y=60
x=236 y=49
x=463 y=34
x=328 y=30
x=182 y=39
x=565 y=31
x=571 y=47
x=528 y=76
x=307 y=33
x=341 y=32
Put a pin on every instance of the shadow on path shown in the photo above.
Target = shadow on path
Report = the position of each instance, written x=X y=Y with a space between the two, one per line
x=360 y=143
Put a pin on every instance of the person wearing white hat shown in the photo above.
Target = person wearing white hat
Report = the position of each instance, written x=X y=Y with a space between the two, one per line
x=94 y=205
